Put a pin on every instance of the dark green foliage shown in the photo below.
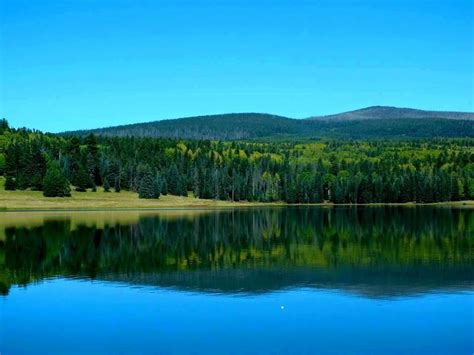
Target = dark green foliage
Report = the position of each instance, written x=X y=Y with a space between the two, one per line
x=164 y=186
x=111 y=170
x=146 y=184
x=83 y=180
x=106 y=185
x=73 y=159
x=55 y=183
x=117 y=186
x=157 y=186
x=10 y=184
x=4 y=125
x=25 y=160
x=92 y=156
x=174 y=183
x=396 y=128
x=37 y=166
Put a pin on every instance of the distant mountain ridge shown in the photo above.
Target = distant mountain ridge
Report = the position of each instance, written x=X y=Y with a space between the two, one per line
x=370 y=122
x=224 y=126
x=390 y=112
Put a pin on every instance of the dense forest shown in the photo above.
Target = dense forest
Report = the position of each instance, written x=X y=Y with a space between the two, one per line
x=369 y=123
x=339 y=171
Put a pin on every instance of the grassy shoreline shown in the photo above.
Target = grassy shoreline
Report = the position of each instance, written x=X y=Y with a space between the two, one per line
x=90 y=201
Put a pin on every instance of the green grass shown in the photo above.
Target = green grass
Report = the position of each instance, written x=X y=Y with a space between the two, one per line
x=34 y=200
x=100 y=200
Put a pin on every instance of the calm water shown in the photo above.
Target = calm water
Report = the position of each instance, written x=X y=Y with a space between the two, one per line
x=286 y=280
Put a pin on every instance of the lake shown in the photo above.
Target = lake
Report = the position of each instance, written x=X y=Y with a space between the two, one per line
x=235 y=281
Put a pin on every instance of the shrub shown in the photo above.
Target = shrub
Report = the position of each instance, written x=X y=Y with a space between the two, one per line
x=10 y=184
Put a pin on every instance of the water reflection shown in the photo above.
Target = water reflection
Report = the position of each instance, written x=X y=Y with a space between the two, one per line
x=374 y=252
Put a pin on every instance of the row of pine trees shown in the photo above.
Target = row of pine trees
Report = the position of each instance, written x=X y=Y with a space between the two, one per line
x=341 y=172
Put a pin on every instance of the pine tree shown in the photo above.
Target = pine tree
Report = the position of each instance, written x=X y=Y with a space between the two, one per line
x=38 y=166
x=146 y=188
x=83 y=180
x=164 y=186
x=216 y=184
x=3 y=125
x=114 y=173
x=12 y=157
x=157 y=186
x=55 y=183
x=174 y=181
x=92 y=169
x=196 y=183
x=182 y=188
x=24 y=164
x=455 y=195
x=73 y=151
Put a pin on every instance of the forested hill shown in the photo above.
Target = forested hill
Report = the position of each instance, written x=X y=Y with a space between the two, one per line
x=389 y=112
x=223 y=127
x=375 y=122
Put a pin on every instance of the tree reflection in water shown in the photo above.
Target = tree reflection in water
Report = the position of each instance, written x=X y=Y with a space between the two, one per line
x=376 y=252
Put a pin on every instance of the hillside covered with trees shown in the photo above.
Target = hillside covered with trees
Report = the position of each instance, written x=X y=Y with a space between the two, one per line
x=390 y=112
x=369 y=123
x=323 y=170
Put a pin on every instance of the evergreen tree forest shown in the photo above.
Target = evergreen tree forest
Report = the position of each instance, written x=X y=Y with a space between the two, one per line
x=339 y=171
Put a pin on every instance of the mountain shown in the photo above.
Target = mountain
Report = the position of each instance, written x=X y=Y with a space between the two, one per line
x=371 y=122
x=232 y=126
x=389 y=112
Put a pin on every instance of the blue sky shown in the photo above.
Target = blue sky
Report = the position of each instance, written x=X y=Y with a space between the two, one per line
x=80 y=64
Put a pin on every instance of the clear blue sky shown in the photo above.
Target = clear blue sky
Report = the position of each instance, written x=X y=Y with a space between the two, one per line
x=88 y=63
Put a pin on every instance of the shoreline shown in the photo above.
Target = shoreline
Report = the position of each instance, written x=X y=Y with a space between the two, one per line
x=202 y=204
x=28 y=200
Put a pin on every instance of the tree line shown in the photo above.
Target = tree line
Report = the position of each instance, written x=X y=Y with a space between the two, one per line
x=340 y=171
